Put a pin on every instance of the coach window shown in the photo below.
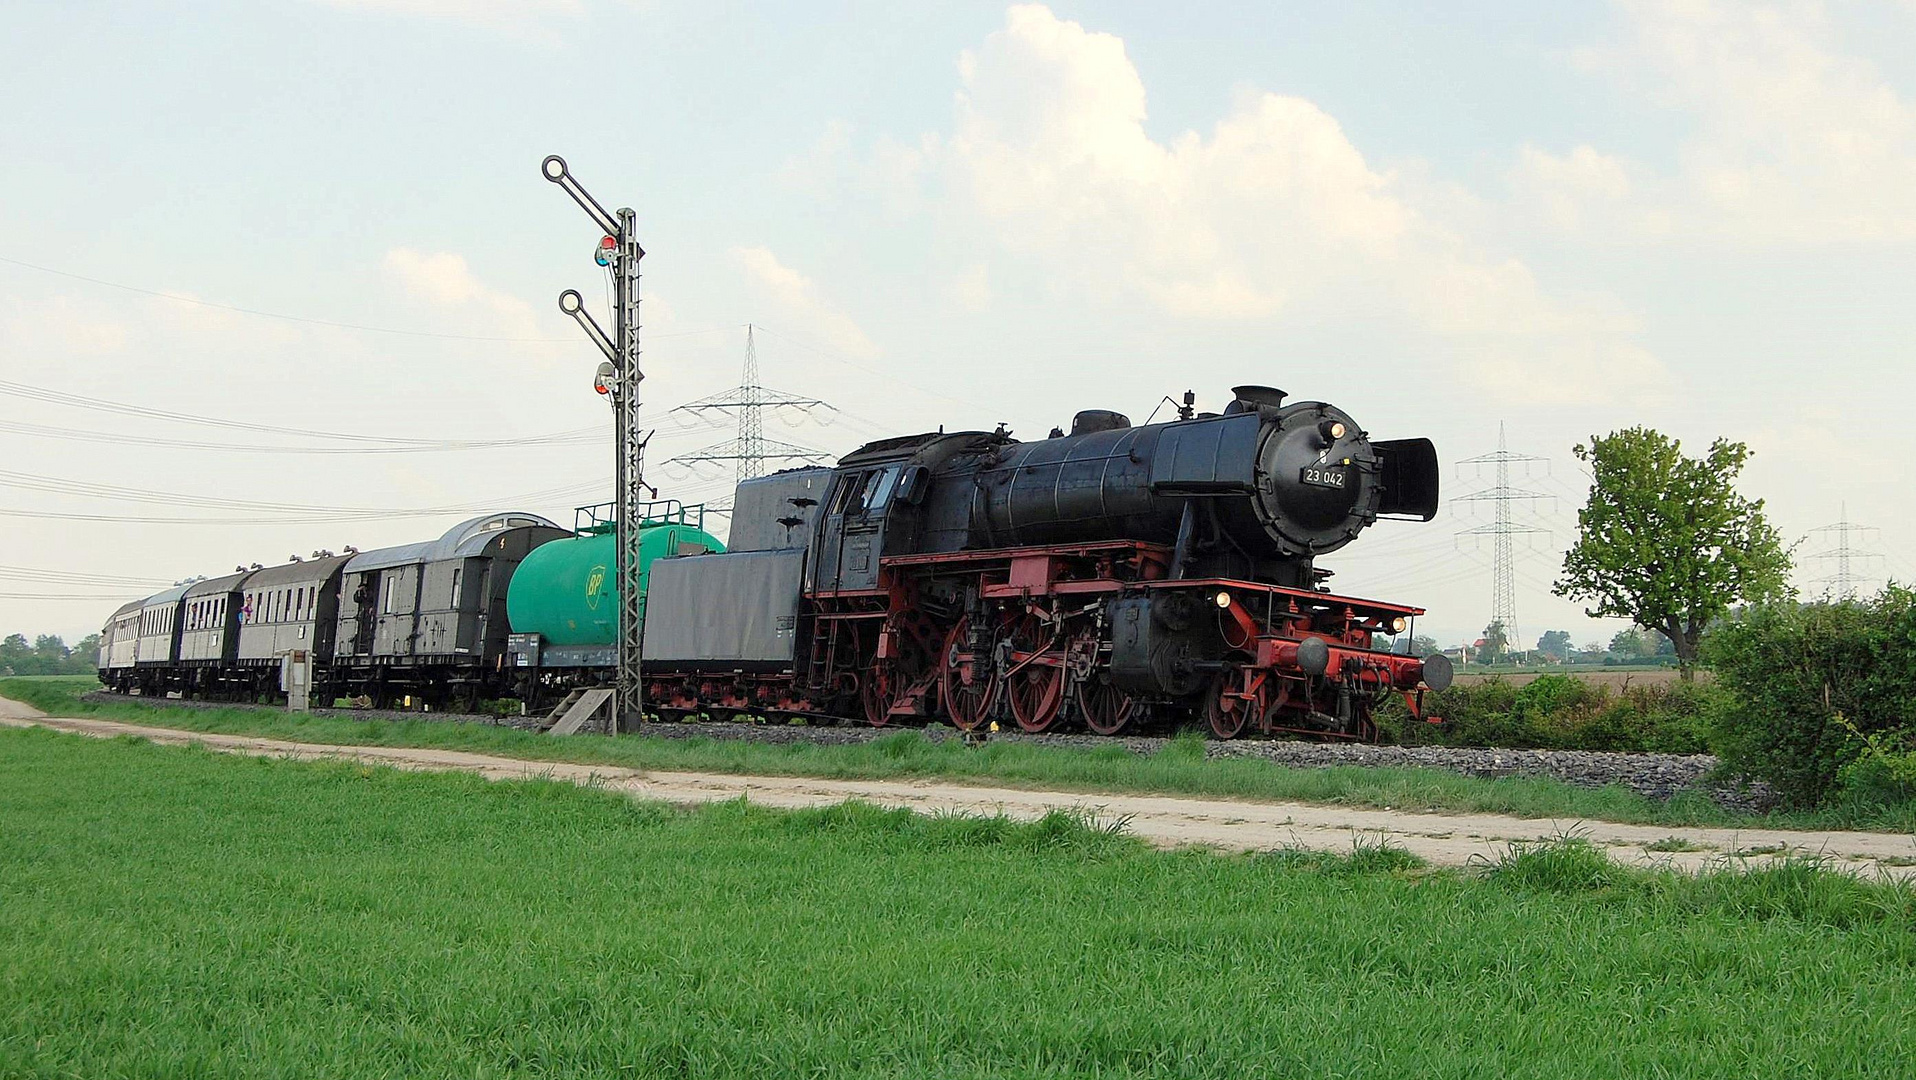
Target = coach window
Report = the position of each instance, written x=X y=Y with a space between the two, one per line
x=386 y=587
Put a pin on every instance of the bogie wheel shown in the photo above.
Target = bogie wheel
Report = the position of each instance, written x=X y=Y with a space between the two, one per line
x=1223 y=711
x=970 y=687
x=1036 y=691
x=1107 y=710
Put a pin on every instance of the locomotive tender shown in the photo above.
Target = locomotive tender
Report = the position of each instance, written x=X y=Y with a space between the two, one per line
x=1110 y=576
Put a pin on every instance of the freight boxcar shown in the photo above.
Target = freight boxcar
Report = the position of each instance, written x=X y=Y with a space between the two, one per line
x=428 y=620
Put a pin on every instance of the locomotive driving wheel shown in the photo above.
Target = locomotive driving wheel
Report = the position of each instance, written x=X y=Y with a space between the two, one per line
x=969 y=683
x=1224 y=710
x=1035 y=690
x=1107 y=710
x=875 y=694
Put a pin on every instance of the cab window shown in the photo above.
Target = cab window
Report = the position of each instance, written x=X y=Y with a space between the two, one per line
x=878 y=493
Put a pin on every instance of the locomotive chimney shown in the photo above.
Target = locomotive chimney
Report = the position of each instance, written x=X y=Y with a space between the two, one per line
x=1253 y=396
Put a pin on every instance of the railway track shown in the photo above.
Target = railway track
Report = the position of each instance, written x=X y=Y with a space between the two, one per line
x=1657 y=776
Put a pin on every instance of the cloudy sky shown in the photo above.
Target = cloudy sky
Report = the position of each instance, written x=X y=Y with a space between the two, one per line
x=268 y=269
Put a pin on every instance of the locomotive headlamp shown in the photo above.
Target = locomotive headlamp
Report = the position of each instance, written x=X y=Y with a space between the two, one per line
x=1223 y=598
x=1398 y=624
x=1331 y=430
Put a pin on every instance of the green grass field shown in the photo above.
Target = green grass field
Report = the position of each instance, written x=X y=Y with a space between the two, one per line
x=1180 y=769
x=170 y=912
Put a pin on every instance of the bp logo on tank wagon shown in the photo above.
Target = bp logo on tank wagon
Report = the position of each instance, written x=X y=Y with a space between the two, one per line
x=594 y=587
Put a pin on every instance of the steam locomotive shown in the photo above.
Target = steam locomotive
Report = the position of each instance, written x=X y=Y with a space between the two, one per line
x=1108 y=577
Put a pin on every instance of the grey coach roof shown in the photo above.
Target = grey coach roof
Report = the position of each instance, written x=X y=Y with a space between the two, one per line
x=169 y=597
x=465 y=538
x=299 y=573
x=218 y=585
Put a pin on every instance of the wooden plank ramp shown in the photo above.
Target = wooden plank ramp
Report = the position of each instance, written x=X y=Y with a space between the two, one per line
x=577 y=709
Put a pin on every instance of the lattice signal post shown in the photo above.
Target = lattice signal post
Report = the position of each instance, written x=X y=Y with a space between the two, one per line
x=1503 y=529
x=619 y=377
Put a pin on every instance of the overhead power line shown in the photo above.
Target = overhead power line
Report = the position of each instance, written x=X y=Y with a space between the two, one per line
x=277 y=513
x=311 y=321
x=280 y=315
x=72 y=577
x=360 y=444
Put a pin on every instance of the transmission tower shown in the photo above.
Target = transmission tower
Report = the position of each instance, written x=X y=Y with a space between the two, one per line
x=1846 y=557
x=751 y=449
x=1503 y=528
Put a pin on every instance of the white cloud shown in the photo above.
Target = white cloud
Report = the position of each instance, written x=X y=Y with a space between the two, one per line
x=444 y=280
x=34 y=331
x=971 y=290
x=496 y=13
x=797 y=297
x=1272 y=214
x=1794 y=140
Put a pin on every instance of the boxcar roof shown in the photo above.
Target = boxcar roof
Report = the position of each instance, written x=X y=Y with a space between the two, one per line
x=463 y=539
x=300 y=573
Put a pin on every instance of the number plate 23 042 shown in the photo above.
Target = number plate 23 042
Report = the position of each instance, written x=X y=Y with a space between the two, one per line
x=1325 y=476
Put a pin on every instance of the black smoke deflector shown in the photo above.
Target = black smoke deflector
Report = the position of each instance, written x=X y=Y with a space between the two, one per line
x=1407 y=470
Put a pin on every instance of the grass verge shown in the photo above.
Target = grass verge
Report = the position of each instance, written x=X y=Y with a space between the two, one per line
x=1179 y=769
x=167 y=911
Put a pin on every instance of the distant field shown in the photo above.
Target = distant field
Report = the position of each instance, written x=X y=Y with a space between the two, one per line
x=173 y=912
x=1614 y=678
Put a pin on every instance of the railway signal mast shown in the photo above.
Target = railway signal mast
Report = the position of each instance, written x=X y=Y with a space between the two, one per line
x=619 y=377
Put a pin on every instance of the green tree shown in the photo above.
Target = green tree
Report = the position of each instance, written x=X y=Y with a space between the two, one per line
x=1554 y=644
x=1629 y=644
x=1665 y=539
x=85 y=659
x=1496 y=645
x=16 y=656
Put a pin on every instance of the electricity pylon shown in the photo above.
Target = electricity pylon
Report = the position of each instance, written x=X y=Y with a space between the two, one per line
x=1503 y=529
x=749 y=452
x=1843 y=582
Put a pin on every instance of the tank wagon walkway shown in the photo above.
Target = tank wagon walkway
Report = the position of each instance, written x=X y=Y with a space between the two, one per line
x=1167 y=821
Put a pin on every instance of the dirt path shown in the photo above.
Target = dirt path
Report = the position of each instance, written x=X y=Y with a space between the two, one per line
x=1168 y=821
